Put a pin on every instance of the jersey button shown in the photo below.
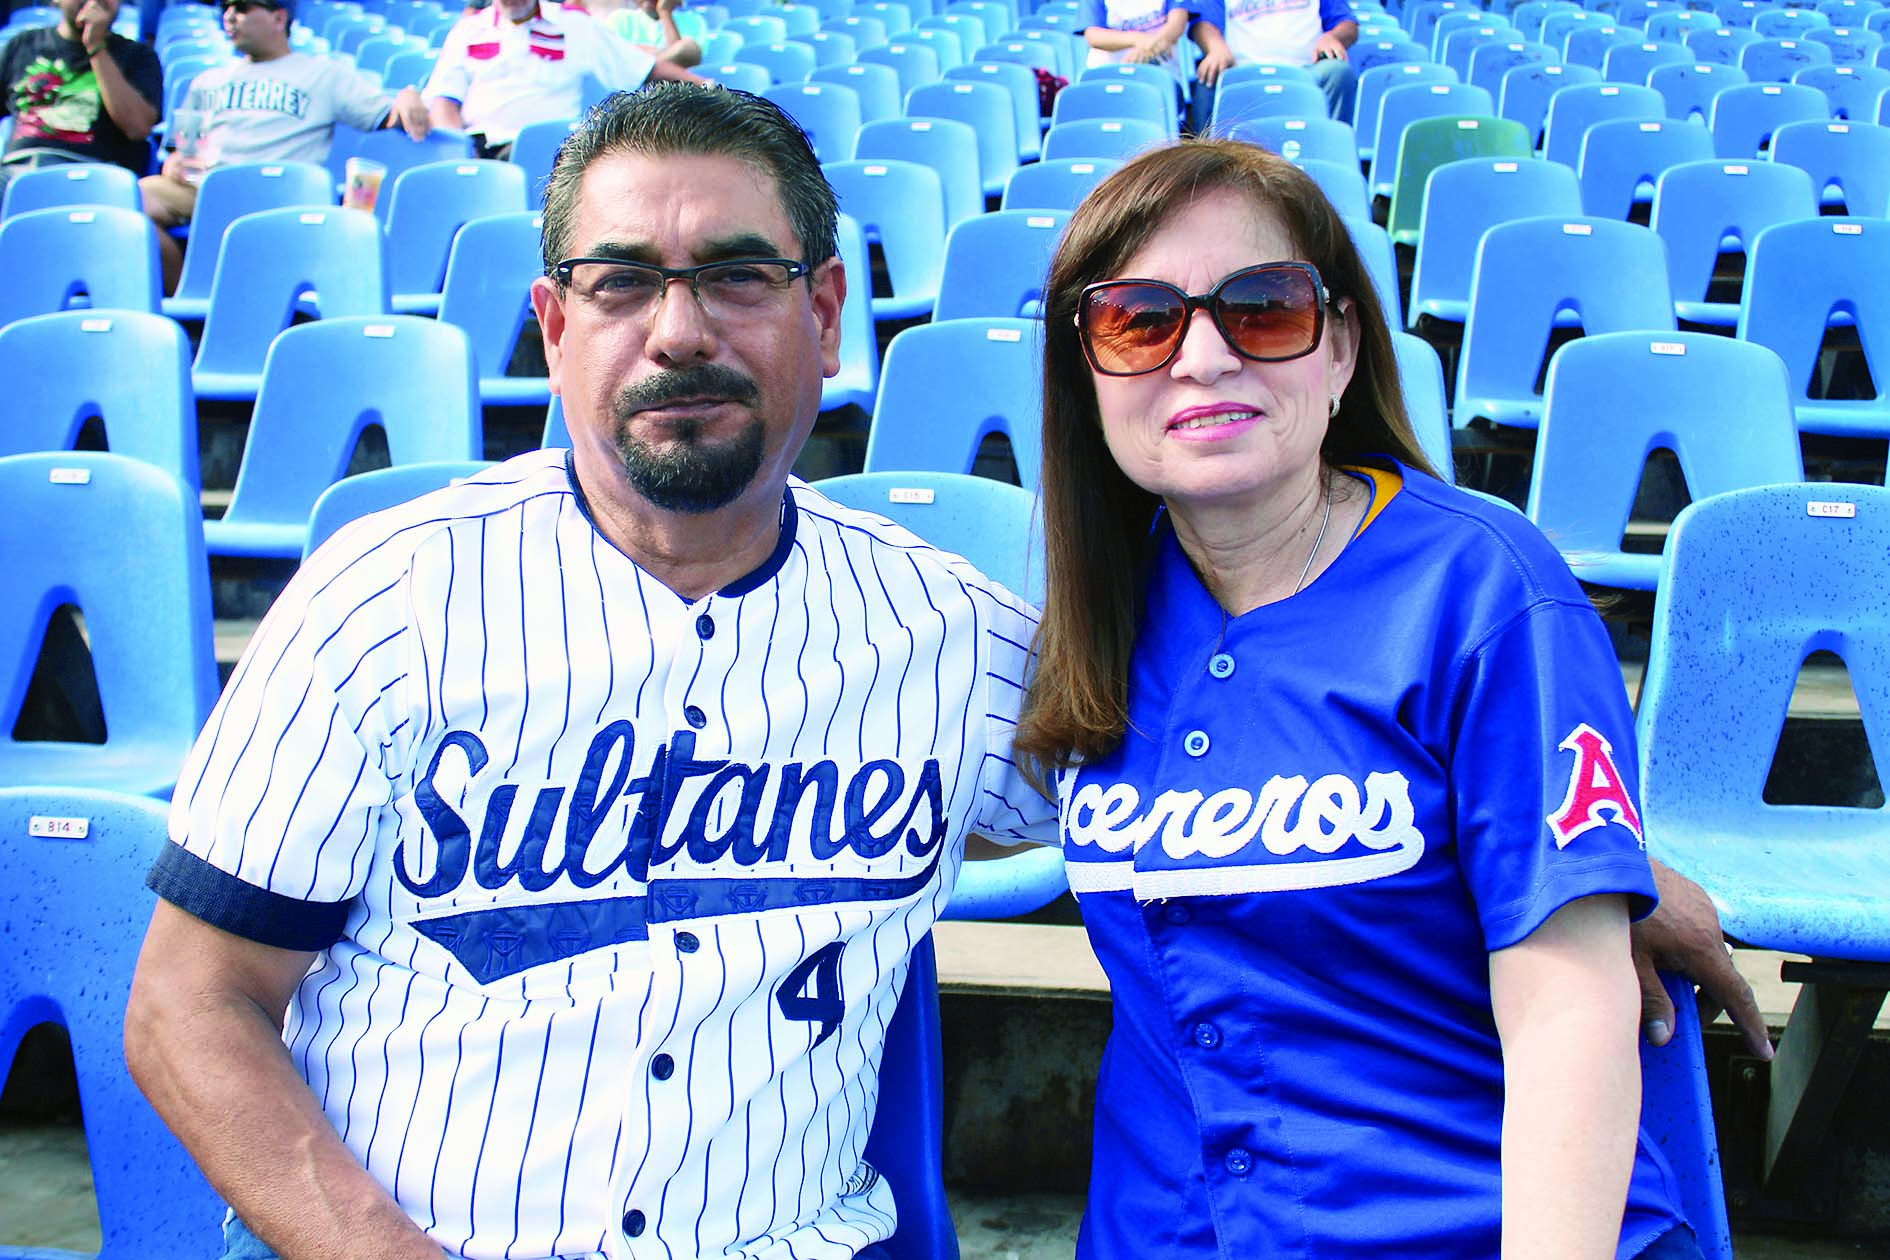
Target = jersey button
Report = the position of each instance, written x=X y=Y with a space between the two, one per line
x=1221 y=665
x=1176 y=915
x=662 y=1067
x=695 y=717
x=705 y=627
x=1195 y=743
x=633 y=1222
x=1207 y=1036
x=686 y=943
x=1239 y=1161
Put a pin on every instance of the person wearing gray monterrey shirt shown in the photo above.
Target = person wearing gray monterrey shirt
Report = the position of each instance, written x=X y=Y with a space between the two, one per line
x=272 y=105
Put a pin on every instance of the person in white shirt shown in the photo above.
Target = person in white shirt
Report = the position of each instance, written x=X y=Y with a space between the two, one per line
x=519 y=62
x=1135 y=31
x=1315 y=33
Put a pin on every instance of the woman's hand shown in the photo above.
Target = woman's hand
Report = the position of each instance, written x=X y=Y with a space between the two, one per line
x=1213 y=62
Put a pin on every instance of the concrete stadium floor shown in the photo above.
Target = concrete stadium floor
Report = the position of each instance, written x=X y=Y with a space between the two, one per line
x=46 y=1201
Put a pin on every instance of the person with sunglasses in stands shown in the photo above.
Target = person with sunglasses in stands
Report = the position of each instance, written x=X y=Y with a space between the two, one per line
x=1344 y=764
x=273 y=104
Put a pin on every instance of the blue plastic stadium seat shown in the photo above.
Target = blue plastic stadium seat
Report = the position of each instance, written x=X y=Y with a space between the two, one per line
x=226 y=195
x=1462 y=200
x=1622 y=156
x=857 y=382
x=129 y=369
x=1688 y=87
x=1404 y=105
x=487 y=295
x=72 y=866
x=1573 y=110
x=1527 y=90
x=1800 y=278
x=1609 y=276
x=996 y=265
x=71 y=184
x=900 y=206
x=990 y=523
x=1421 y=375
x=429 y=204
x=877 y=86
x=96 y=256
x=1852 y=157
x=996 y=388
x=365 y=493
x=949 y=147
x=323 y=384
x=1744 y=117
x=270 y=262
x=534 y=152
x=1700 y=208
x=828 y=112
x=1722 y=407
x=1301 y=139
x=1058 y=185
x=123 y=541
x=1021 y=83
x=1119 y=138
x=988 y=110
x=1677 y=1113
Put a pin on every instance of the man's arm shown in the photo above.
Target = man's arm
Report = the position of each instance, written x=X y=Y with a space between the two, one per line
x=127 y=107
x=1216 y=56
x=203 y=1039
x=677 y=47
x=409 y=113
x=1563 y=997
x=1155 y=44
x=1332 y=44
x=1683 y=935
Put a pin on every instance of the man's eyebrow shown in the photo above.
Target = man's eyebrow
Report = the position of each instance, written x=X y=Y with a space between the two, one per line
x=624 y=252
x=740 y=245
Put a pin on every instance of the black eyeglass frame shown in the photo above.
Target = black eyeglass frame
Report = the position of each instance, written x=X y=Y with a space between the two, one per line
x=1209 y=302
x=561 y=271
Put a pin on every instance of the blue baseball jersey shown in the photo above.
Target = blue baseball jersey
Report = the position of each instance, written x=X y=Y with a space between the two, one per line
x=1326 y=814
x=612 y=893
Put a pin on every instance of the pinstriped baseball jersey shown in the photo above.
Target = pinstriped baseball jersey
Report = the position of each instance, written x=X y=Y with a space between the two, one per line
x=612 y=893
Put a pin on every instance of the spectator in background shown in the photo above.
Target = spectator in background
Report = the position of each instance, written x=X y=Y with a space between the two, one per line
x=1315 y=33
x=657 y=27
x=520 y=62
x=1135 y=31
x=79 y=93
x=272 y=105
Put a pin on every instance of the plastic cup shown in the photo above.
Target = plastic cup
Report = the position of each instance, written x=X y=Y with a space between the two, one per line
x=362 y=183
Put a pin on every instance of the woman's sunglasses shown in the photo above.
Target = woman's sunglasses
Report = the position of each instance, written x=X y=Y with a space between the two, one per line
x=1269 y=313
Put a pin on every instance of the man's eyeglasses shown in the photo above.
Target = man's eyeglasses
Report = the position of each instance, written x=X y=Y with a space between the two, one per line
x=1269 y=313
x=724 y=289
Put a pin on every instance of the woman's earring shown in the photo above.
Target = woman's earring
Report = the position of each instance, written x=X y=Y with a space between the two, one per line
x=1332 y=409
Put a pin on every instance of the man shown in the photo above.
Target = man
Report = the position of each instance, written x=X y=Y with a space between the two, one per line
x=272 y=105
x=1314 y=33
x=657 y=27
x=519 y=62
x=78 y=93
x=582 y=816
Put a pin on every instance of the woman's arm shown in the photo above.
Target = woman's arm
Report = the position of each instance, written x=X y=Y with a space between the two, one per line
x=1567 y=1005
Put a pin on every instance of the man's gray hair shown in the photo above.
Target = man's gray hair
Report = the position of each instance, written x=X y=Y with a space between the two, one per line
x=689 y=118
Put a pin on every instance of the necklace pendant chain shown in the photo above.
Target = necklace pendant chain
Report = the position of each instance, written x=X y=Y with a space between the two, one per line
x=1325 y=519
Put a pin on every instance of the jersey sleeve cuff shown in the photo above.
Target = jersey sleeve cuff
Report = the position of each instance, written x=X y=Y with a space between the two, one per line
x=1626 y=875
x=242 y=909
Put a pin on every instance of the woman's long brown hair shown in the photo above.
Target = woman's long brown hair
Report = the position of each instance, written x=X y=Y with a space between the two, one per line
x=1097 y=522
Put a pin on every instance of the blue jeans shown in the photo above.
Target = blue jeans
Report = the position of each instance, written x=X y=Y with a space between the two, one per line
x=240 y=1244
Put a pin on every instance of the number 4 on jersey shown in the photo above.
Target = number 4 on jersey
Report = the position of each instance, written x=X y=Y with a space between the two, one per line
x=812 y=992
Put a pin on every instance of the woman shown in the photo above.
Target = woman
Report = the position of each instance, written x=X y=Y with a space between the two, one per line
x=1345 y=768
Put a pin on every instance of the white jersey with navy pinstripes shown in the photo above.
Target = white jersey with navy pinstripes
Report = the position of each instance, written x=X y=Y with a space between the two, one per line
x=613 y=893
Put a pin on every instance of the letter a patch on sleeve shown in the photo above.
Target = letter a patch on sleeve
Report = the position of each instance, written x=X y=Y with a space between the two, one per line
x=1595 y=789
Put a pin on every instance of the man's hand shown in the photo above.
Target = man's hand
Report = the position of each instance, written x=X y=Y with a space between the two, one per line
x=1209 y=68
x=1329 y=47
x=94 y=21
x=1683 y=935
x=411 y=113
